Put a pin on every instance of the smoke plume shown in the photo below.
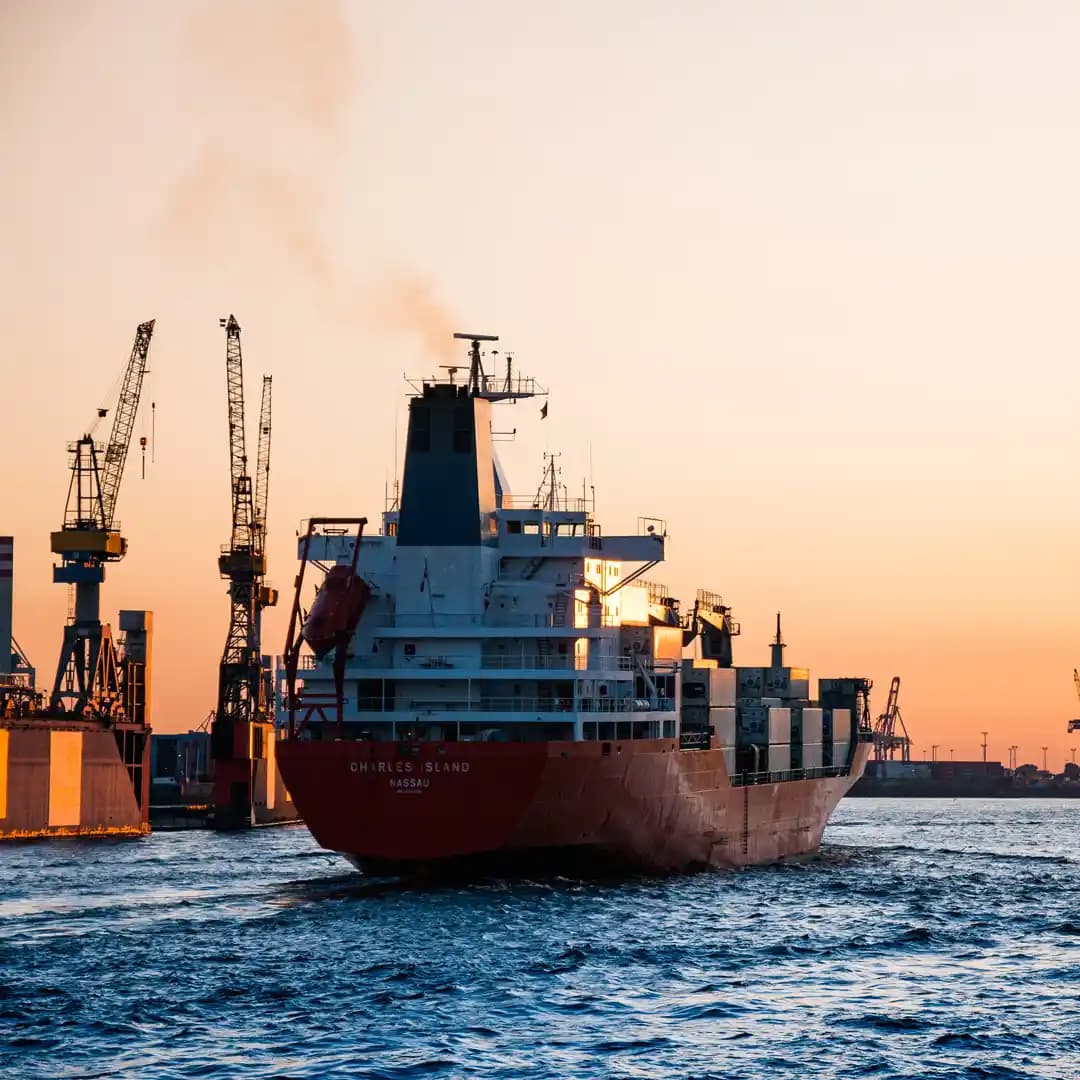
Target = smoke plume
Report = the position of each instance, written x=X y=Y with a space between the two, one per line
x=293 y=62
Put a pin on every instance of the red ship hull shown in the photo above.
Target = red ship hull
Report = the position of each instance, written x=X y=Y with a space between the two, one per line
x=644 y=804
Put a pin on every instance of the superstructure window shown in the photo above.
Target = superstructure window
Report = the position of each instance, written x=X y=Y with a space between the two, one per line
x=532 y=528
x=513 y=527
x=463 y=434
x=420 y=429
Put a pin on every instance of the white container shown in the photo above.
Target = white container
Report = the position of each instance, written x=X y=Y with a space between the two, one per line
x=841 y=725
x=722 y=722
x=779 y=757
x=811 y=727
x=729 y=759
x=840 y=751
x=722 y=687
x=811 y=755
x=780 y=726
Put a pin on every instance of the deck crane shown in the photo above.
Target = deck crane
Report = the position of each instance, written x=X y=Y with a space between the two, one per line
x=1074 y=725
x=87 y=674
x=244 y=715
x=890 y=734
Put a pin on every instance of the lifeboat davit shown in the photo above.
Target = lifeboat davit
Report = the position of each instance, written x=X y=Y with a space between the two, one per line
x=336 y=611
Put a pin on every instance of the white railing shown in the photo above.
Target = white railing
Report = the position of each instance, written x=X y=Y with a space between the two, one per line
x=486 y=663
x=543 y=620
x=545 y=705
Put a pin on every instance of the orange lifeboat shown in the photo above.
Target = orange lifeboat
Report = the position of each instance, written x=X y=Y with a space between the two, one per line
x=336 y=611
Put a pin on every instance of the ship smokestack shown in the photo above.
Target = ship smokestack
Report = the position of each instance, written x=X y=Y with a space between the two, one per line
x=7 y=568
x=778 y=645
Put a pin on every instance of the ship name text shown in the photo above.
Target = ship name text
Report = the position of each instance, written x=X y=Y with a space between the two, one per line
x=407 y=767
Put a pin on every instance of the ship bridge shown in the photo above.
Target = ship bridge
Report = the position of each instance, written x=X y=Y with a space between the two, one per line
x=493 y=616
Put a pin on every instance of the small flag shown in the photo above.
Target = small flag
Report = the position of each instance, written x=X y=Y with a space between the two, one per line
x=543 y=412
x=424 y=580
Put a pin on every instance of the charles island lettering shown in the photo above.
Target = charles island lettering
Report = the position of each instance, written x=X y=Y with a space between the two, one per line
x=407 y=767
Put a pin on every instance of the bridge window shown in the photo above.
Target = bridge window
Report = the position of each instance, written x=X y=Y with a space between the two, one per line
x=420 y=429
x=463 y=436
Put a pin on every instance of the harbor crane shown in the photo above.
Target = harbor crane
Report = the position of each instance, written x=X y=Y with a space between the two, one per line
x=1074 y=725
x=244 y=712
x=890 y=734
x=88 y=679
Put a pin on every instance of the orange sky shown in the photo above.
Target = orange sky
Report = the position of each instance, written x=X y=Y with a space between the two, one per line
x=800 y=279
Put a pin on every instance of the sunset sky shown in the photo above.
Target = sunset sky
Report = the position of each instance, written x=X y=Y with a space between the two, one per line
x=801 y=279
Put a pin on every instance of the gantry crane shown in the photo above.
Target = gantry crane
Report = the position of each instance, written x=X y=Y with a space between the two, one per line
x=890 y=734
x=1074 y=725
x=87 y=674
x=244 y=706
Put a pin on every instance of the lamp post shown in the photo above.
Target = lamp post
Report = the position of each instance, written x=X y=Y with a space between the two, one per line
x=933 y=752
x=1044 y=749
x=984 y=734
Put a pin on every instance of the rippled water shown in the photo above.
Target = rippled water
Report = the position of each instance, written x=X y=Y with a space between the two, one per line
x=928 y=939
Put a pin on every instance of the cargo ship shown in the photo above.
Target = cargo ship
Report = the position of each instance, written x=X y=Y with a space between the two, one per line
x=491 y=683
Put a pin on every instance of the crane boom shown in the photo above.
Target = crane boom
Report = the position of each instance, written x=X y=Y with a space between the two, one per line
x=890 y=734
x=88 y=540
x=243 y=721
x=262 y=466
x=243 y=517
x=124 y=423
x=1074 y=725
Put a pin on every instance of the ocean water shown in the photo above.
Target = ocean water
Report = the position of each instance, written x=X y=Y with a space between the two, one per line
x=929 y=938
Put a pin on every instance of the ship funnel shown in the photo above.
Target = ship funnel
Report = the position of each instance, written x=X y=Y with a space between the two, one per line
x=7 y=567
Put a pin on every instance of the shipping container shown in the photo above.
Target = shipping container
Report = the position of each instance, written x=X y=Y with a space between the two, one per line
x=695 y=717
x=796 y=722
x=749 y=681
x=780 y=726
x=786 y=682
x=841 y=725
x=708 y=686
x=729 y=759
x=841 y=751
x=722 y=687
x=779 y=757
x=752 y=724
x=724 y=726
x=811 y=725
x=811 y=755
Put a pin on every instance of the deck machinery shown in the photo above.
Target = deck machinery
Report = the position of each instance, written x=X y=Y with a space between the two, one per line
x=242 y=729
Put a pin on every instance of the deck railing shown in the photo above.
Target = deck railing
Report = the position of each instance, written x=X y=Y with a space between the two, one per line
x=546 y=705
x=539 y=662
